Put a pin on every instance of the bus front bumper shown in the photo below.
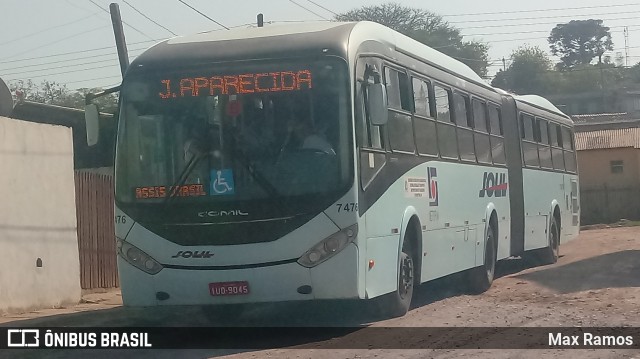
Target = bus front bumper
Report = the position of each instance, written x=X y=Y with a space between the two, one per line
x=337 y=278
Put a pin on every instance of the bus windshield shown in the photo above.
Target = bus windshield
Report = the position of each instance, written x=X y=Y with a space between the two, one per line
x=233 y=132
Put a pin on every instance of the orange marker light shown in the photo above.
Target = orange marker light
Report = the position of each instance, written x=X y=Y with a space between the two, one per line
x=371 y=263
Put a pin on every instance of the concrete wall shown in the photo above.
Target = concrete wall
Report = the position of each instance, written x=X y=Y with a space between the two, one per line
x=594 y=167
x=606 y=197
x=37 y=217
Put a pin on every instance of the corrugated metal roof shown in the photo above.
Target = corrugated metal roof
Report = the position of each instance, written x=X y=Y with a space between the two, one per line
x=601 y=118
x=602 y=139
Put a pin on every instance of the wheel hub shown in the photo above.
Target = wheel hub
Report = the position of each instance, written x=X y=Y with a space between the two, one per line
x=406 y=276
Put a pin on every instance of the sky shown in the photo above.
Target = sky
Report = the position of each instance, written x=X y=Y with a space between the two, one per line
x=71 y=41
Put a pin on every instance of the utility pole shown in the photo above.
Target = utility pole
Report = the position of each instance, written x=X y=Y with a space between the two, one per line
x=118 y=32
x=504 y=64
x=626 y=46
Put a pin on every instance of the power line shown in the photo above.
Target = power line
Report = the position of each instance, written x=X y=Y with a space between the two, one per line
x=71 y=71
x=322 y=7
x=539 y=17
x=67 y=60
x=199 y=12
x=107 y=11
x=55 y=42
x=95 y=79
x=53 y=68
x=539 y=23
x=539 y=10
x=307 y=9
x=532 y=31
x=75 y=52
x=56 y=67
x=47 y=29
x=148 y=18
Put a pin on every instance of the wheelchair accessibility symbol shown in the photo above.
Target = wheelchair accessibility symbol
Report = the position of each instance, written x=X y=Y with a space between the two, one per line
x=222 y=182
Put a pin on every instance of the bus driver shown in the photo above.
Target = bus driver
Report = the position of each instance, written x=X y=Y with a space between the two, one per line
x=307 y=138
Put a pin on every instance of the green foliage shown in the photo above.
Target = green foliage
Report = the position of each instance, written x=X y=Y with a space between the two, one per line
x=426 y=27
x=578 y=42
x=531 y=72
x=53 y=93
x=528 y=72
x=400 y=18
x=587 y=78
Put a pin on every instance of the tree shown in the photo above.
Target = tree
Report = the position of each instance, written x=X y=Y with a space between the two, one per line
x=528 y=73
x=579 y=42
x=53 y=93
x=426 y=27
x=46 y=92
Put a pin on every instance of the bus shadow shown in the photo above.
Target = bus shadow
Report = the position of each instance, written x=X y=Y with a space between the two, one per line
x=612 y=270
x=457 y=284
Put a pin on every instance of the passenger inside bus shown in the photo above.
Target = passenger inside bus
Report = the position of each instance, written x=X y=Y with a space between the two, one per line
x=306 y=137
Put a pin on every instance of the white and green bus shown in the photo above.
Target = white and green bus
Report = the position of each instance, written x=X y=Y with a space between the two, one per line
x=321 y=161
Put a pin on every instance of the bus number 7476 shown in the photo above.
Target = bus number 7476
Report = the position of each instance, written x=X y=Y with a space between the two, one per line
x=347 y=207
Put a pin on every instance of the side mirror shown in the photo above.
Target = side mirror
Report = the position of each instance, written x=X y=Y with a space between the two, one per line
x=377 y=98
x=92 y=123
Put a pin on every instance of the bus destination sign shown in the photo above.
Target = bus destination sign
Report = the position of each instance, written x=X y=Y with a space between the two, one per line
x=192 y=190
x=237 y=84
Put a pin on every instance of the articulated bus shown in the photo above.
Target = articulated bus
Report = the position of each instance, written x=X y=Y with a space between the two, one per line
x=328 y=161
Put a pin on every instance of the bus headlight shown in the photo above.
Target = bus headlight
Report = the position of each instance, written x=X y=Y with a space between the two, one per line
x=137 y=258
x=328 y=247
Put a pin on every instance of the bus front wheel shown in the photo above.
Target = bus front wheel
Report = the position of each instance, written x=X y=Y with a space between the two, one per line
x=397 y=303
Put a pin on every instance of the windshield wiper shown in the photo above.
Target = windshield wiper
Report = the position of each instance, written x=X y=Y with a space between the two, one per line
x=185 y=174
x=267 y=186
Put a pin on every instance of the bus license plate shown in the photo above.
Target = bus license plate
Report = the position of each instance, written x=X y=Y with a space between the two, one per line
x=229 y=288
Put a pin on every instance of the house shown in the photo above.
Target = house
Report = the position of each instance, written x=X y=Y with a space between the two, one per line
x=85 y=157
x=617 y=100
x=609 y=170
x=605 y=121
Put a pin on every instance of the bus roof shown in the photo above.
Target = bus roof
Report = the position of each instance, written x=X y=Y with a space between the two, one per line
x=272 y=41
x=254 y=32
x=275 y=40
x=543 y=103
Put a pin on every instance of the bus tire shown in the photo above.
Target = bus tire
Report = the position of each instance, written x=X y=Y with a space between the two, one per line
x=550 y=254
x=397 y=303
x=481 y=278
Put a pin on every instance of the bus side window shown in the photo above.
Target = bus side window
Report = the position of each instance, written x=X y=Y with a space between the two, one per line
x=423 y=122
x=569 y=153
x=397 y=84
x=529 y=143
x=481 y=135
x=447 y=140
x=421 y=98
x=497 y=139
x=544 y=150
x=556 y=147
x=465 y=123
x=442 y=104
x=372 y=155
x=370 y=135
x=400 y=126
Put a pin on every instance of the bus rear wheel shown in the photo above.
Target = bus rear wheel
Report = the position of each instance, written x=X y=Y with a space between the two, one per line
x=397 y=303
x=550 y=254
x=481 y=278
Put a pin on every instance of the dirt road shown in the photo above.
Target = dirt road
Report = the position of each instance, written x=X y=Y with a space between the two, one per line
x=595 y=283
